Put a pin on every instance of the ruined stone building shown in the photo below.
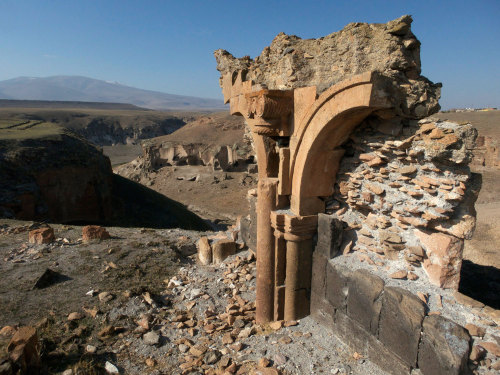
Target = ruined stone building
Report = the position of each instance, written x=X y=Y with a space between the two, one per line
x=348 y=163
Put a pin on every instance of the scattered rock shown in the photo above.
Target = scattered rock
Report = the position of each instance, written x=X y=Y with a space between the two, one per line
x=75 y=316
x=151 y=338
x=94 y=233
x=402 y=274
x=111 y=368
x=475 y=330
x=24 y=350
x=41 y=236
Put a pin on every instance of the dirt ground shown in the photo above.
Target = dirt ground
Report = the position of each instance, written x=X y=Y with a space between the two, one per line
x=215 y=195
x=160 y=313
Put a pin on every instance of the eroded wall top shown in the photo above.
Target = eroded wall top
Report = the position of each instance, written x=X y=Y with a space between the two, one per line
x=390 y=49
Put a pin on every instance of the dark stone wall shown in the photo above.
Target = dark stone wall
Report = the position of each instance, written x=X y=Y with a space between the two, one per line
x=389 y=325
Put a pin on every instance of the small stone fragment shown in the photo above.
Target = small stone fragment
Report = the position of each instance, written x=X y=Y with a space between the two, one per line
x=475 y=330
x=477 y=353
x=111 y=368
x=412 y=276
x=400 y=275
x=264 y=362
x=75 y=316
x=491 y=347
x=151 y=338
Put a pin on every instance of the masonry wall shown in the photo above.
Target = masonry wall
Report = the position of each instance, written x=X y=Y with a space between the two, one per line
x=404 y=190
x=389 y=325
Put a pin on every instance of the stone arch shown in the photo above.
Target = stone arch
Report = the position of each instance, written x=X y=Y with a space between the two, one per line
x=325 y=125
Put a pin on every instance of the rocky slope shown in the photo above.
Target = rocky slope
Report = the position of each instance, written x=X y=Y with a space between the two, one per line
x=217 y=140
x=49 y=173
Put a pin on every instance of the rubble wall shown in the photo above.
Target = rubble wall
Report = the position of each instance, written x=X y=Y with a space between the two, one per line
x=405 y=191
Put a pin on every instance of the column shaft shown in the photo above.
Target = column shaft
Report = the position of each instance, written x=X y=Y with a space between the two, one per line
x=298 y=278
x=279 y=276
x=266 y=202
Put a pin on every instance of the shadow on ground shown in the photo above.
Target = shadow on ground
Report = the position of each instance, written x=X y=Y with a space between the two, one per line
x=481 y=283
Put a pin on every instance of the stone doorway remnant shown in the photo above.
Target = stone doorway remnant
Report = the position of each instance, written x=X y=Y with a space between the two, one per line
x=298 y=126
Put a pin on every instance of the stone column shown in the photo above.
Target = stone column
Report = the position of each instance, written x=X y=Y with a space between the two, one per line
x=266 y=203
x=299 y=232
x=277 y=221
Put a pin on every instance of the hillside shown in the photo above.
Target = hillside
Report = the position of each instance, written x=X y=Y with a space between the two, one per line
x=50 y=174
x=84 y=89
x=117 y=124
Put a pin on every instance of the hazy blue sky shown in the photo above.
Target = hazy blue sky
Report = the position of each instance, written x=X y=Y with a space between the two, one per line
x=168 y=45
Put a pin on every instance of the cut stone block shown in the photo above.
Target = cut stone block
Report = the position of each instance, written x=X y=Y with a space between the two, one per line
x=401 y=322
x=330 y=232
x=336 y=286
x=41 y=236
x=366 y=344
x=94 y=233
x=204 y=251
x=318 y=281
x=363 y=303
x=444 y=348
x=222 y=249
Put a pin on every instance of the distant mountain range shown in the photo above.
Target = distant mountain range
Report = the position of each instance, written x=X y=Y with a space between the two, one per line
x=84 y=89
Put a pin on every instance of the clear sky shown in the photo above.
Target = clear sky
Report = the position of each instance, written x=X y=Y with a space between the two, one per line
x=168 y=45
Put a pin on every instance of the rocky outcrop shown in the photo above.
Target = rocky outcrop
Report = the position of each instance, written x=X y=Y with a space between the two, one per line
x=220 y=157
x=50 y=174
x=59 y=177
x=217 y=140
x=390 y=49
x=107 y=131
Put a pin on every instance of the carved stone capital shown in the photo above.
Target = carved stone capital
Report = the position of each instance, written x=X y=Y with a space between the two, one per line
x=269 y=111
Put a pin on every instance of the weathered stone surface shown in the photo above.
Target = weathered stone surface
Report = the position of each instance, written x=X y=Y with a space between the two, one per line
x=204 y=251
x=284 y=65
x=41 y=235
x=94 y=233
x=24 y=350
x=66 y=179
x=330 y=232
x=400 y=323
x=337 y=289
x=444 y=258
x=444 y=348
x=362 y=341
x=318 y=280
x=363 y=303
x=221 y=249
